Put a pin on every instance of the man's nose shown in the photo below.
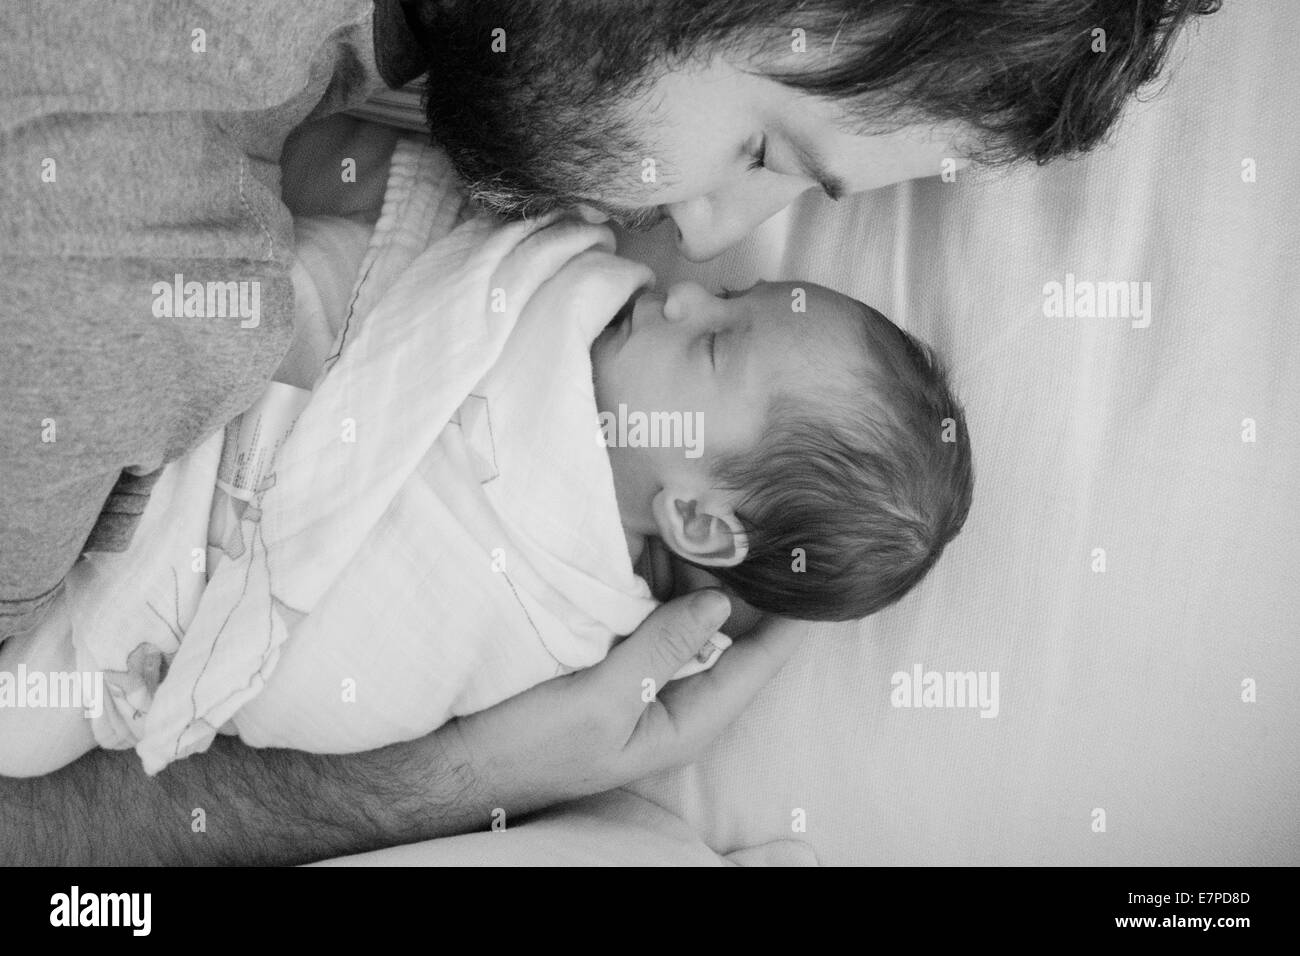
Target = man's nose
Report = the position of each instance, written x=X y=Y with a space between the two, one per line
x=710 y=225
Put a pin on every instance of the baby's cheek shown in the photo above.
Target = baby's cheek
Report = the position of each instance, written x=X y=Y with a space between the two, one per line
x=631 y=470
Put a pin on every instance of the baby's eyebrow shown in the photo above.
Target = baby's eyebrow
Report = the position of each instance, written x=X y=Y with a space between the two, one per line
x=737 y=293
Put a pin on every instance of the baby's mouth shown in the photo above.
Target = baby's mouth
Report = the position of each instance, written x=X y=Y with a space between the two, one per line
x=622 y=315
x=624 y=312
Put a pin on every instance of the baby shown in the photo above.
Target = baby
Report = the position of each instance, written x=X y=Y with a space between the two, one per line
x=438 y=531
x=825 y=463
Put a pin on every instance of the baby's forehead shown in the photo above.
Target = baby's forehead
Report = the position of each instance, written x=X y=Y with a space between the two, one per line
x=813 y=317
x=809 y=299
x=814 y=332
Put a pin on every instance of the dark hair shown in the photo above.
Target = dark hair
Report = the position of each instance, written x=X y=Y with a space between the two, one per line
x=1034 y=79
x=848 y=503
x=529 y=128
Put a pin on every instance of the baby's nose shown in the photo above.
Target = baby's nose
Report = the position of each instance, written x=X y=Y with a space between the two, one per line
x=686 y=300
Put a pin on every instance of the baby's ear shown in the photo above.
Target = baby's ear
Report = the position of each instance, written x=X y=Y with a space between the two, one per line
x=706 y=531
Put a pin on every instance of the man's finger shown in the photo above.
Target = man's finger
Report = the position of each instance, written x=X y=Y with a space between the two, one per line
x=637 y=668
x=701 y=707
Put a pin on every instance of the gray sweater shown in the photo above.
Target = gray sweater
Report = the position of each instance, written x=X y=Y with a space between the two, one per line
x=145 y=297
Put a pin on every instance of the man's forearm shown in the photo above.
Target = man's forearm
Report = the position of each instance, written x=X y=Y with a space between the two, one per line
x=238 y=805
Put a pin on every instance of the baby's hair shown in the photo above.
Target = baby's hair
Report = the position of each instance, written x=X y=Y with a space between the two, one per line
x=847 y=504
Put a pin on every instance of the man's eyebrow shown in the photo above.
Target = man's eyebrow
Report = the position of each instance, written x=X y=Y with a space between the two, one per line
x=814 y=166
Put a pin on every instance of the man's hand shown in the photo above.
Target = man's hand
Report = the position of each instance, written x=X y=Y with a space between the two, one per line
x=617 y=721
x=570 y=737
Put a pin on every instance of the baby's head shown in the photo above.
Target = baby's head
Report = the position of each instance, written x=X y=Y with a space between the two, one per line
x=820 y=464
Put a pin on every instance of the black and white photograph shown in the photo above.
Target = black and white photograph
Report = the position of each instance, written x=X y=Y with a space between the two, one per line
x=630 y=433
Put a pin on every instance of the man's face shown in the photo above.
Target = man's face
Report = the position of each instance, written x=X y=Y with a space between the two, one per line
x=705 y=129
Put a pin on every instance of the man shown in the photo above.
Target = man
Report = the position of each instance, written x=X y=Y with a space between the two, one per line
x=719 y=114
x=142 y=141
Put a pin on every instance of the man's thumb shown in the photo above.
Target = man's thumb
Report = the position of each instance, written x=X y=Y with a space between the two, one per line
x=670 y=637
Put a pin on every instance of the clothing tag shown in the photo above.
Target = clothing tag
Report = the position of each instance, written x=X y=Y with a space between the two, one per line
x=253 y=439
x=706 y=658
x=247 y=458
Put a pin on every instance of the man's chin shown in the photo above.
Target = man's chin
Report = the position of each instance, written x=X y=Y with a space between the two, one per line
x=629 y=219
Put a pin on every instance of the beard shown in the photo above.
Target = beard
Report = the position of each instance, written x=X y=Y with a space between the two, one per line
x=517 y=200
x=540 y=122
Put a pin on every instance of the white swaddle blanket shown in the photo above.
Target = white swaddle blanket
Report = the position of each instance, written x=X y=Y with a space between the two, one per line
x=438 y=532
